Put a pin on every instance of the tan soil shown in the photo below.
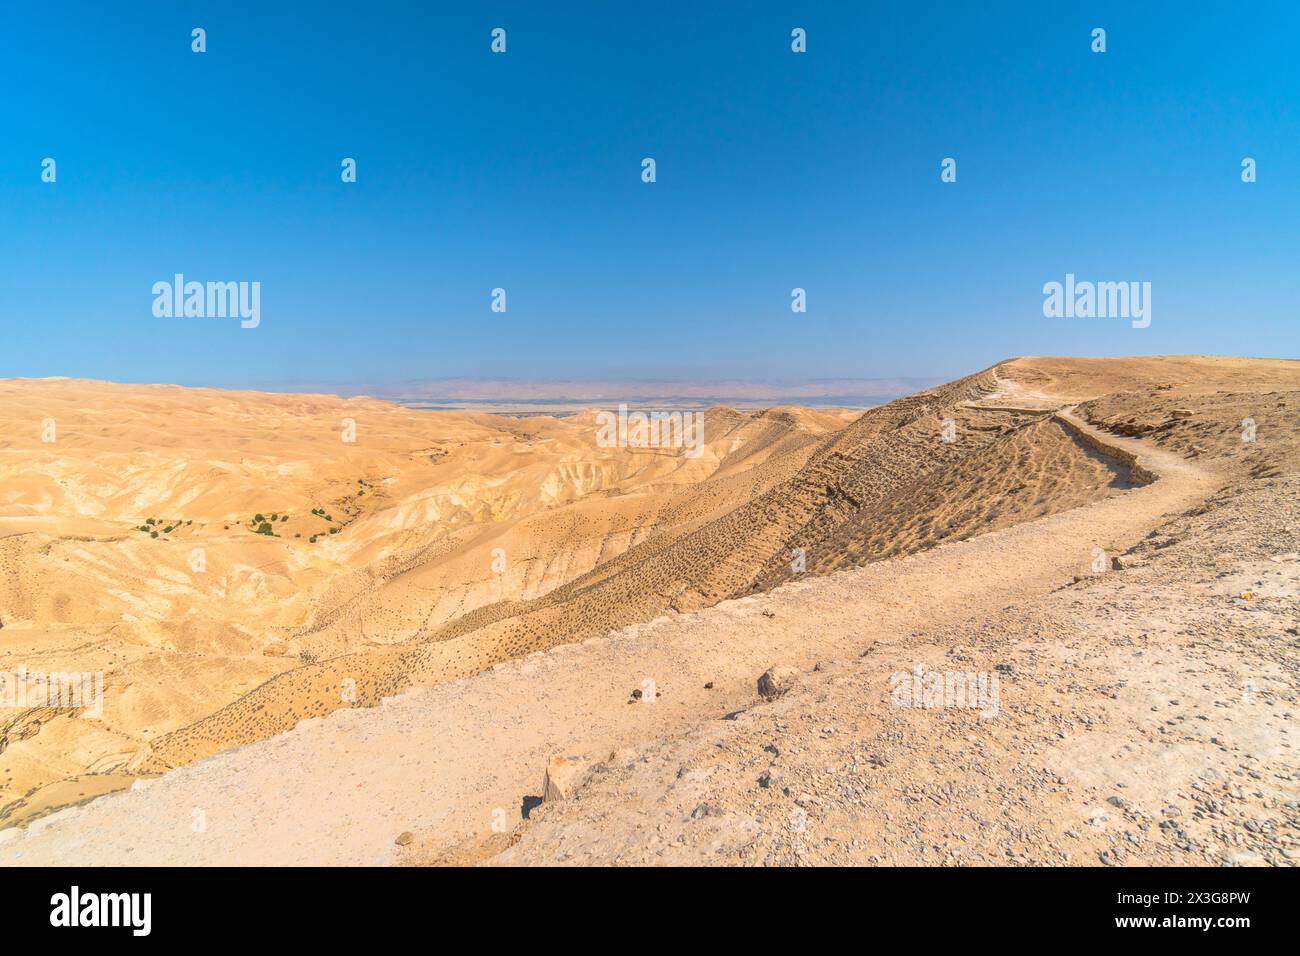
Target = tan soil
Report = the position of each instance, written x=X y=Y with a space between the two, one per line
x=447 y=762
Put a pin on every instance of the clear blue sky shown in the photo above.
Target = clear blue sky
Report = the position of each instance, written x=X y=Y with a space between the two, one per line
x=522 y=170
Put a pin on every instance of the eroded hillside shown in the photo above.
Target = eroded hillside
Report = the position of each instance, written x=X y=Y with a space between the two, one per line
x=193 y=544
x=337 y=573
x=733 y=533
x=1144 y=708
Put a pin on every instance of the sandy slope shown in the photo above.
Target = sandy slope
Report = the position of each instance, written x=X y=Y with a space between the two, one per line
x=440 y=761
x=1023 y=496
x=1146 y=716
x=444 y=543
x=423 y=518
x=779 y=491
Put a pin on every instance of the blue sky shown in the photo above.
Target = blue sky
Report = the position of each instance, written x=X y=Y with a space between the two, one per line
x=522 y=171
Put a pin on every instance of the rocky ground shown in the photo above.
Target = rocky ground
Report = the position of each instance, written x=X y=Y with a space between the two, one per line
x=1146 y=716
x=1126 y=657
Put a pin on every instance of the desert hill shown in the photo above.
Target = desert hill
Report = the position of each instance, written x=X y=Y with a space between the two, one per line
x=701 y=544
x=447 y=543
x=1146 y=704
x=193 y=544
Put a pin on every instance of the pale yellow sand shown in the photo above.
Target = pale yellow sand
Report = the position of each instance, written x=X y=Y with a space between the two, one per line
x=279 y=629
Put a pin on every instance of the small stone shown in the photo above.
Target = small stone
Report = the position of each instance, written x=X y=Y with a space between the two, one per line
x=776 y=681
x=564 y=775
x=404 y=838
x=769 y=778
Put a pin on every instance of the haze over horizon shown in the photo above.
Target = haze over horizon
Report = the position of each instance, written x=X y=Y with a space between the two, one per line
x=522 y=171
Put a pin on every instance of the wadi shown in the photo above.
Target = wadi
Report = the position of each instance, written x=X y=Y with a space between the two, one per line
x=376 y=650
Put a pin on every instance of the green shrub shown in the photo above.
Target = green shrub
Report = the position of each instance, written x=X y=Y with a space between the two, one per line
x=265 y=528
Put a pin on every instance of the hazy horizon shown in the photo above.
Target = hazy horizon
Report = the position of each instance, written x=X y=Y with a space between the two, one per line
x=490 y=388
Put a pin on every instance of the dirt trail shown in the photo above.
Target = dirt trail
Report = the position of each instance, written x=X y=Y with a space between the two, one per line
x=1144 y=716
x=451 y=761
